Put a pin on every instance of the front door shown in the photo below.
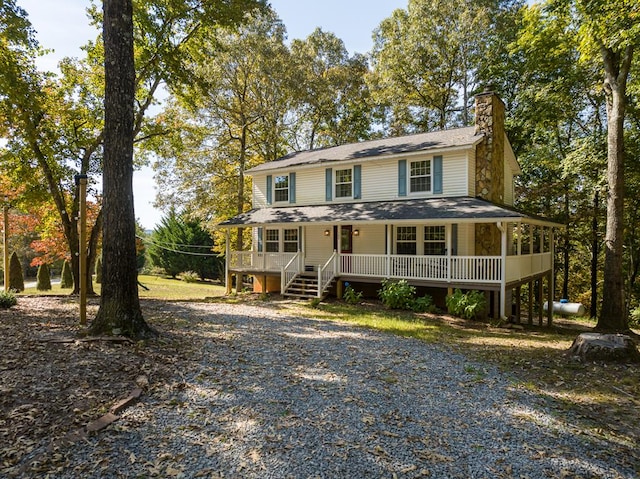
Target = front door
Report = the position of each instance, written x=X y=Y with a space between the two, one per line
x=346 y=238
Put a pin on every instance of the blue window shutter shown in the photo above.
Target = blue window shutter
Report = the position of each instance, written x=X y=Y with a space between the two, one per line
x=269 y=188
x=357 y=181
x=328 y=184
x=437 y=174
x=260 y=232
x=402 y=178
x=292 y=187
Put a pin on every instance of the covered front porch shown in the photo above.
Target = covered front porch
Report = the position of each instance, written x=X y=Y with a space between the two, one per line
x=495 y=249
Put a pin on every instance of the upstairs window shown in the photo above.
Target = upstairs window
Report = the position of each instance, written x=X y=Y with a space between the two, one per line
x=434 y=240
x=406 y=240
x=272 y=241
x=281 y=188
x=344 y=183
x=420 y=176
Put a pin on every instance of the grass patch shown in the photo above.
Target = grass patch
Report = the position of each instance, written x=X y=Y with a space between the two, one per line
x=159 y=288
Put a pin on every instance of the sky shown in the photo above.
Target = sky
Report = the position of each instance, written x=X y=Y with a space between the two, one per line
x=62 y=25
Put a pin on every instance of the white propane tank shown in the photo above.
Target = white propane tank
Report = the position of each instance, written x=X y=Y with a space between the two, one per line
x=564 y=307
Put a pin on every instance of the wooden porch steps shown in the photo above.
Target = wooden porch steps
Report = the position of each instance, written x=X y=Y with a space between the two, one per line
x=305 y=285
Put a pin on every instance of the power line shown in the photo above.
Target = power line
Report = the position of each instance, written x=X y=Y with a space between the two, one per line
x=189 y=253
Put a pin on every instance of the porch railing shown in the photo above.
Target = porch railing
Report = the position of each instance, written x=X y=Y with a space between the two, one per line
x=461 y=269
x=260 y=261
x=289 y=271
x=327 y=271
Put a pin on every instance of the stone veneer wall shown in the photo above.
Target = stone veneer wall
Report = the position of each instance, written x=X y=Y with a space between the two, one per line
x=489 y=167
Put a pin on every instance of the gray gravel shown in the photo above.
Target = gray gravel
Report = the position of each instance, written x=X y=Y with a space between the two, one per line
x=284 y=397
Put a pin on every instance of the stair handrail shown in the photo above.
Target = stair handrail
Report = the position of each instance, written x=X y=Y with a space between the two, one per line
x=284 y=271
x=321 y=270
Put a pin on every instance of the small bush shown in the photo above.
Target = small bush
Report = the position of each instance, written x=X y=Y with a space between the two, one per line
x=43 y=278
x=423 y=304
x=634 y=317
x=467 y=305
x=315 y=303
x=351 y=296
x=397 y=294
x=7 y=299
x=190 y=277
x=16 y=278
x=66 y=277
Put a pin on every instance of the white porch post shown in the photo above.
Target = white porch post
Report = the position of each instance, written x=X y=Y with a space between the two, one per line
x=552 y=279
x=447 y=236
x=503 y=270
x=389 y=250
x=227 y=254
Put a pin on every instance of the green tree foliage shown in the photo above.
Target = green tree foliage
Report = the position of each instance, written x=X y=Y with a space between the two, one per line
x=66 y=276
x=229 y=119
x=16 y=278
x=425 y=62
x=179 y=244
x=332 y=97
x=43 y=278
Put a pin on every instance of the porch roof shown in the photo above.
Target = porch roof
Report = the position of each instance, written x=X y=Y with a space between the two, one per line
x=459 y=210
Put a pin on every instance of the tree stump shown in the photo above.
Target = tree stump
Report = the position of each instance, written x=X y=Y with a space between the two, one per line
x=604 y=347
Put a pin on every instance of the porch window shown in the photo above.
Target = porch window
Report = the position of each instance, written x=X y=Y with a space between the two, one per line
x=272 y=241
x=406 y=240
x=420 y=176
x=291 y=240
x=281 y=188
x=434 y=240
x=344 y=183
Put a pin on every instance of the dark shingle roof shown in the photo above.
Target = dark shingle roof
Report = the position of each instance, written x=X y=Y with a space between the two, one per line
x=458 y=137
x=460 y=209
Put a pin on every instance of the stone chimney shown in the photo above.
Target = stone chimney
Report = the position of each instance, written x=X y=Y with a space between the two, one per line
x=490 y=153
x=489 y=166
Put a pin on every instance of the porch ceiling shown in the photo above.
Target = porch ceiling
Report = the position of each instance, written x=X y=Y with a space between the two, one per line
x=458 y=210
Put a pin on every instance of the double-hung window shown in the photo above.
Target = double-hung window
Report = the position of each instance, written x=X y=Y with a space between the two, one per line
x=272 y=241
x=291 y=240
x=344 y=183
x=406 y=240
x=281 y=188
x=434 y=240
x=420 y=176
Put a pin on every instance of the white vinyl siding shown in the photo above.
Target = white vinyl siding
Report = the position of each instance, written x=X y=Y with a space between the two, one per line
x=466 y=239
x=259 y=191
x=508 y=184
x=454 y=171
x=379 y=180
x=471 y=173
x=310 y=187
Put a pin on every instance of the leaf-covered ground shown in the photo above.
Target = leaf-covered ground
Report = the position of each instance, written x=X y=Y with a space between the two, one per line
x=53 y=383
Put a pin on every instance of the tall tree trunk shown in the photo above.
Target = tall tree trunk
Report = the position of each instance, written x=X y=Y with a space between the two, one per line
x=567 y=246
x=595 y=250
x=613 y=316
x=119 y=311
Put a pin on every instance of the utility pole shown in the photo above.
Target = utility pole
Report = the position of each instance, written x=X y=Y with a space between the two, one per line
x=5 y=238
x=81 y=182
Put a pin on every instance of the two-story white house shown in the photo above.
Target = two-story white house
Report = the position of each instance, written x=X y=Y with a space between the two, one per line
x=433 y=208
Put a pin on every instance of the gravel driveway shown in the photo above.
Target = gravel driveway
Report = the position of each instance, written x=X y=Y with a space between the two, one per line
x=288 y=397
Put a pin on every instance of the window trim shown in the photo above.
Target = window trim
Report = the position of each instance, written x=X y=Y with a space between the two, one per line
x=443 y=241
x=431 y=175
x=268 y=241
x=276 y=189
x=286 y=241
x=336 y=184
x=404 y=241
